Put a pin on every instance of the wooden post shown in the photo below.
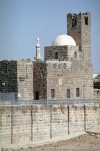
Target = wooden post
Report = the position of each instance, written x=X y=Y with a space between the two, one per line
x=31 y=123
x=11 y=124
x=50 y=121
x=84 y=117
x=68 y=118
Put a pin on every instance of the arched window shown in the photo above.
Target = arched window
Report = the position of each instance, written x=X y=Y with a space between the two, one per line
x=74 y=21
x=75 y=54
x=56 y=55
x=86 y=20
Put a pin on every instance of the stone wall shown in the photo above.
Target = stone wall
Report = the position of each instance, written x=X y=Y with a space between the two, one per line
x=5 y=124
x=69 y=75
x=44 y=122
x=25 y=79
x=49 y=53
x=40 y=79
x=8 y=76
x=82 y=77
x=64 y=52
x=17 y=76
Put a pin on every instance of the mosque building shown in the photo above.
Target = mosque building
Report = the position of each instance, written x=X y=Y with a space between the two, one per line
x=65 y=73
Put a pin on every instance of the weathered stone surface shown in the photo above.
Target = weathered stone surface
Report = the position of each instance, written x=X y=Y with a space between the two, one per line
x=25 y=79
x=8 y=76
x=81 y=33
x=43 y=122
x=40 y=79
x=17 y=76
x=73 y=76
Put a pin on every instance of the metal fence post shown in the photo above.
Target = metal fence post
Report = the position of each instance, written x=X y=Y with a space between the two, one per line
x=50 y=121
x=84 y=117
x=11 y=124
x=31 y=123
x=68 y=118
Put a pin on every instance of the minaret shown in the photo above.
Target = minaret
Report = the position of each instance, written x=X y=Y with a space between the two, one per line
x=38 y=57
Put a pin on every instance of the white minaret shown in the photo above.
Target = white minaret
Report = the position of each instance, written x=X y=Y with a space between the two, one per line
x=38 y=57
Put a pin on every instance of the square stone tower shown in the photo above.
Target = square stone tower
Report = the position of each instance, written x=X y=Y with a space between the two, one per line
x=79 y=27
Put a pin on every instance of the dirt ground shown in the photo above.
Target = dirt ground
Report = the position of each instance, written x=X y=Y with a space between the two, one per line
x=87 y=142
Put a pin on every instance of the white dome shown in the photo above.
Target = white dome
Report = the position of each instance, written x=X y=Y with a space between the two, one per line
x=63 y=40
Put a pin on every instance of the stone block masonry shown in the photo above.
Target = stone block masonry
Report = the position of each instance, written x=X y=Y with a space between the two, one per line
x=8 y=76
x=25 y=79
x=35 y=123
x=69 y=75
x=17 y=77
x=40 y=80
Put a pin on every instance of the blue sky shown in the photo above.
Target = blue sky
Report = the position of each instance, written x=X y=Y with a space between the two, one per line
x=22 y=21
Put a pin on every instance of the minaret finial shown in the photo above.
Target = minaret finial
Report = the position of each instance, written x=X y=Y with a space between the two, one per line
x=37 y=40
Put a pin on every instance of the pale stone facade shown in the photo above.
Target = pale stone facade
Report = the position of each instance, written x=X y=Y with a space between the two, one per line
x=25 y=123
x=25 y=79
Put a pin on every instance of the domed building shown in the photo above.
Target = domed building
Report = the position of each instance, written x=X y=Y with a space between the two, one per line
x=63 y=40
x=65 y=73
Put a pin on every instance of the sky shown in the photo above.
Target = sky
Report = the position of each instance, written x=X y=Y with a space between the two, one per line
x=22 y=21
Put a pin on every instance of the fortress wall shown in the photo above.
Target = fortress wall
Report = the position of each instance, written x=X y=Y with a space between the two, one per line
x=92 y=116
x=76 y=118
x=44 y=122
x=21 y=124
x=41 y=122
x=59 y=120
x=5 y=124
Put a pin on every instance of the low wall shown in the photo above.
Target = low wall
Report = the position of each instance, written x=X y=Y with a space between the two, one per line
x=43 y=122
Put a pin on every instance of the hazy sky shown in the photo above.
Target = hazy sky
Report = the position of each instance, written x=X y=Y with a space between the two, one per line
x=22 y=21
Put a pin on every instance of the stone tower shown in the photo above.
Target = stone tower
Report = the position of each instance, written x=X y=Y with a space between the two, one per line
x=79 y=27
